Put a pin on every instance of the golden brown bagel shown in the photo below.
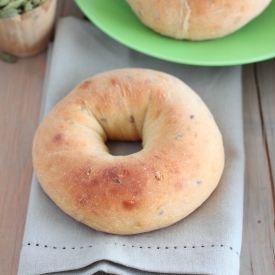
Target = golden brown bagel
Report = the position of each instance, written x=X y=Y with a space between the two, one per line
x=196 y=19
x=178 y=168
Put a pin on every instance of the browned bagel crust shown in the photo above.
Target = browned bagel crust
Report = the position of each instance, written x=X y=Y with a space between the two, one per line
x=196 y=19
x=178 y=168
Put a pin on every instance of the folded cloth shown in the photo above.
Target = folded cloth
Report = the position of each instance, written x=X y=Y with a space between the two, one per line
x=206 y=242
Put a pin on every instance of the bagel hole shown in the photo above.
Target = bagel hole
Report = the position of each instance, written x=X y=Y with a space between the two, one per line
x=123 y=148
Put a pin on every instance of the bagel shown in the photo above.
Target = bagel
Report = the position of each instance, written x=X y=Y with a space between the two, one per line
x=177 y=169
x=196 y=19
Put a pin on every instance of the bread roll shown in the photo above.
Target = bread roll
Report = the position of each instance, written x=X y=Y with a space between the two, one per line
x=196 y=19
x=176 y=171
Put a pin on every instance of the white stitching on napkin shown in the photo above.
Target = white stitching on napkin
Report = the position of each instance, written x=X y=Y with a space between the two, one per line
x=137 y=246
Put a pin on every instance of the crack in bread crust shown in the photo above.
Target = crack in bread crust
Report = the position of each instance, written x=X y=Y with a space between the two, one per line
x=185 y=17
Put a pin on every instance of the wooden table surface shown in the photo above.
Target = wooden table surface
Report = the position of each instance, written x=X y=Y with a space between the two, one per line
x=20 y=98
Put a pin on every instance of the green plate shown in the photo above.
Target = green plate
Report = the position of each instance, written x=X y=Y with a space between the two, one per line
x=254 y=42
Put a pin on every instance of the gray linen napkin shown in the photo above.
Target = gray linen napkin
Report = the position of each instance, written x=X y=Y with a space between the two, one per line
x=206 y=242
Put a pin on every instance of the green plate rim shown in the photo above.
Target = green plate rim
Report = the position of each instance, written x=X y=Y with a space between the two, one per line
x=101 y=24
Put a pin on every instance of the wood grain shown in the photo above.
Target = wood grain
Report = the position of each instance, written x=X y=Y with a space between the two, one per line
x=68 y=8
x=257 y=256
x=21 y=87
x=265 y=72
x=20 y=97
